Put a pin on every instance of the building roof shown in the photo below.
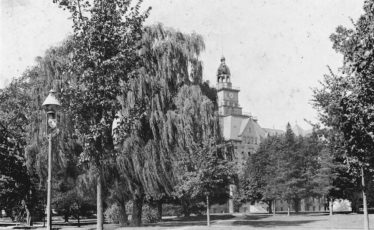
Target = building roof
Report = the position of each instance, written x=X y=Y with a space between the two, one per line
x=298 y=131
x=273 y=132
x=243 y=126
x=253 y=128
x=231 y=127
x=236 y=126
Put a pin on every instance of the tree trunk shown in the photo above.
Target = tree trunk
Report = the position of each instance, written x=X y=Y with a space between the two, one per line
x=207 y=211
x=185 y=208
x=274 y=203
x=231 y=198
x=331 y=206
x=28 y=217
x=11 y=214
x=123 y=218
x=355 y=204
x=44 y=218
x=78 y=218
x=159 y=210
x=99 y=204
x=288 y=208
x=296 y=205
x=270 y=207
x=66 y=217
x=137 y=205
x=365 y=206
x=28 y=213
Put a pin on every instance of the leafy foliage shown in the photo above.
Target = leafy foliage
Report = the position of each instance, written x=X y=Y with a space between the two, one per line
x=18 y=182
x=289 y=168
x=105 y=53
x=106 y=37
x=173 y=122
x=259 y=181
x=345 y=100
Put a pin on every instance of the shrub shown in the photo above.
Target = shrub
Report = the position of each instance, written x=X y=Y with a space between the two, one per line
x=112 y=214
x=171 y=210
x=149 y=214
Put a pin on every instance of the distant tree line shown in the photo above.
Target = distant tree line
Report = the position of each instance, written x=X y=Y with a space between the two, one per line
x=345 y=101
x=290 y=168
x=343 y=165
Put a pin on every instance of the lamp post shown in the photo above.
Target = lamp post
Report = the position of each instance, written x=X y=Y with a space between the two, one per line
x=51 y=106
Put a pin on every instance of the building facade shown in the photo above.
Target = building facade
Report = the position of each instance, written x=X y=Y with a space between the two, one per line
x=241 y=129
x=245 y=134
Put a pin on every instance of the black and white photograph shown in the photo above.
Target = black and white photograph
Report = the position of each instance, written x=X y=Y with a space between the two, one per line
x=187 y=115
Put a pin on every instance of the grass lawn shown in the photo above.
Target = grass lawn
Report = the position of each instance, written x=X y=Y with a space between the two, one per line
x=264 y=222
x=255 y=221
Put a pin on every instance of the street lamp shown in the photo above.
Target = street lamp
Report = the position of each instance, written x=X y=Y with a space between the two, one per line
x=51 y=106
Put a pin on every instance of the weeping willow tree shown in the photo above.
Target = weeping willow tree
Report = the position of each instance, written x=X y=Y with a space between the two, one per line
x=203 y=162
x=25 y=95
x=170 y=119
x=51 y=72
x=15 y=181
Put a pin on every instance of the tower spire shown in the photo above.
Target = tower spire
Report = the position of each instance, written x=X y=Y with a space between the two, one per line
x=223 y=72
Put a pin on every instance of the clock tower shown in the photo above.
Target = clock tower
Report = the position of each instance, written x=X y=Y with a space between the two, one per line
x=228 y=102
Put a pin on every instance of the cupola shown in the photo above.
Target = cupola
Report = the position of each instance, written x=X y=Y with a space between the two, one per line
x=223 y=72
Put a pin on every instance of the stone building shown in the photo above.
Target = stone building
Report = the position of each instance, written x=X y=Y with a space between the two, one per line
x=241 y=129
x=245 y=134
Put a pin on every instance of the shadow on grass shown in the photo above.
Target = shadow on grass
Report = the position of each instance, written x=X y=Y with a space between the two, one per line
x=202 y=218
x=190 y=221
x=55 y=224
x=177 y=224
x=74 y=224
x=255 y=217
x=6 y=224
x=273 y=223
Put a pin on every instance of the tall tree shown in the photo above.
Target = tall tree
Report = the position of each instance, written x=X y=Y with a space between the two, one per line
x=290 y=172
x=50 y=72
x=204 y=170
x=19 y=183
x=169 y=60
x=106 y=36
x=289 y=168
x=345 y=101
x=260 y=179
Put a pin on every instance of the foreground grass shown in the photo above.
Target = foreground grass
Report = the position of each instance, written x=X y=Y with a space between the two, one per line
x=254 y=221
x=264 y=222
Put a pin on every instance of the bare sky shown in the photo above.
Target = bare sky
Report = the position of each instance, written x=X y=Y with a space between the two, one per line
x=277 y=50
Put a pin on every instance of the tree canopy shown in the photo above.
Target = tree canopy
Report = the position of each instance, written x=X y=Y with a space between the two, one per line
x=289 y=168
x=345 y=99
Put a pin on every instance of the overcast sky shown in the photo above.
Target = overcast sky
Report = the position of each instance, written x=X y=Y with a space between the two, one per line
x=277 y=50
